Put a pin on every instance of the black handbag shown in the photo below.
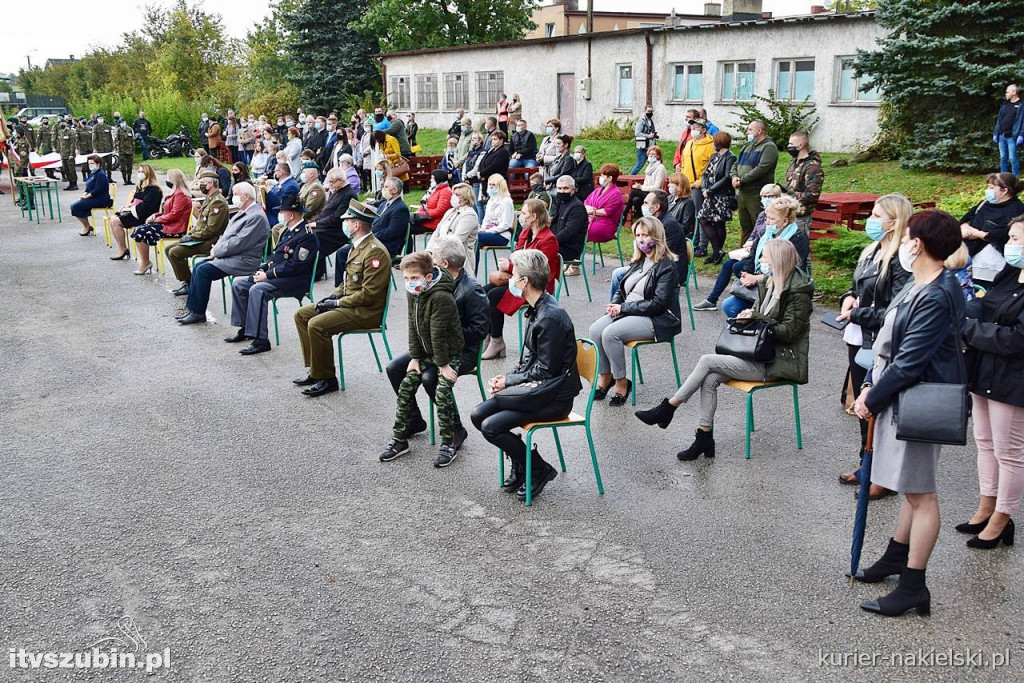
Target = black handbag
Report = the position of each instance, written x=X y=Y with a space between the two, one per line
x=929 y=412
x=748 y=339
x=529 y=396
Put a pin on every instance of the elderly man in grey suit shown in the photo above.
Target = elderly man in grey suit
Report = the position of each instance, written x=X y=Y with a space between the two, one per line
x=239 y=251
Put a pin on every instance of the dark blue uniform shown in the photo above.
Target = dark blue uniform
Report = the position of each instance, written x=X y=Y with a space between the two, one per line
x=288 y=270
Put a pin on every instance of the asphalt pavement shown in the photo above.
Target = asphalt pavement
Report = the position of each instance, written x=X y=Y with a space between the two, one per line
x=149 y=471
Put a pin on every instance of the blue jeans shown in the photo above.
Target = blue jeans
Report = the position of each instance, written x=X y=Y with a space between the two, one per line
x=1009 y=161
x=733 y=305
x=731 y=268
x=144 y=141
x=641 y=159
x=617 y=276
x=203 y=277
x=523 y=163
x=488 y=239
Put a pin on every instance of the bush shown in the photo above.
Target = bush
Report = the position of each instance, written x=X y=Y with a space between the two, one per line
x=271 y=104
x=962 y=202
x=610 y=129
x=844 y=251
x=782 y=120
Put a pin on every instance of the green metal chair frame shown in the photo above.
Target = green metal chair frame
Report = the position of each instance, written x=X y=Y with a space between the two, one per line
x=637 y=371
x=382 y=330
x=307 y=294
x=587 y=357
x=479 y=382
x=691 y=270
x=582 y=265
x=395 y=260
x=749 y=388
x=618 y=244
x=488 y=249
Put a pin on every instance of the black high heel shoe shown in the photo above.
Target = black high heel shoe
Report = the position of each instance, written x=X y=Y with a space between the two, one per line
x=1006 y=537
x=910 y=593
x=122 y=257
x=87 y=233
x=968 y=528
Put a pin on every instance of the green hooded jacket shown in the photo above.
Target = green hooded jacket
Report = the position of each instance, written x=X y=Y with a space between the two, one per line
x=791 y=327
x=435 y=331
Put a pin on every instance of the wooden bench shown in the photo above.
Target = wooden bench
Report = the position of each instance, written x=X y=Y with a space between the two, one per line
x=420 y=169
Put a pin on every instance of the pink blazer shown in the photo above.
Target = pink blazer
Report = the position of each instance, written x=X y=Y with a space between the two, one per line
x=603 y=228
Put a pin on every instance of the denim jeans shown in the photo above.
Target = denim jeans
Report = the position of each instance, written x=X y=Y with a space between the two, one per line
x=1009 y=161
x=733 y=305
x=617 y=276
x=730 y=269
x=523 y=163
x=641 y=159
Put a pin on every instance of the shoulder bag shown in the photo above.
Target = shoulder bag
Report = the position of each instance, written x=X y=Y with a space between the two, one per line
x=748 y=339
x=529 y=396
x=401 y=168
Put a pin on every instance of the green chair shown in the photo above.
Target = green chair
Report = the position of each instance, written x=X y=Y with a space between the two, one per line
x=307 y=294
x=395 y=260
x=586 y=363
x=369 y=332
x=637 y=371
x=510 y=247
x=581 y=264
x=686 y=282
x=618 y=245
x=479 y=382
x=749 y=388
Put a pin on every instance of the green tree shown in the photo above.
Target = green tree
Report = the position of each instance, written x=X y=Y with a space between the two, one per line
x=413 y=24
x=942 y=69
x=782 y=119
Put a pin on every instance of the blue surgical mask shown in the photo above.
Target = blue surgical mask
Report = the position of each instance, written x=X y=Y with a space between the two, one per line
x=379 y=173
x=750 y=138
x=347 y=230
x=1014 y=255
x=767 y=201
x=492 y=192
x=766 y=269
x=645 y=209
x=415 y=287
x=990 y=195
x=512 y=287
x=549 y=130
x=93 y=167
x=874 y=227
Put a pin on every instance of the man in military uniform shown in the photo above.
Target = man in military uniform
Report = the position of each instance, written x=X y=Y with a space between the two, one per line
x=286 y=273
x=29 y=133
x=358 y=303
x=125 y=150
x=85 y=148
x=206 y=228
x=103 y=142
x=22 y=148
x=312 y=194
x=67 y=141
x=46 y=142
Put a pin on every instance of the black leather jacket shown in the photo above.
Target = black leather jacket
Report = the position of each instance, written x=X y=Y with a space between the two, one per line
x=995 y=340
x=474 y=312
x=924 y=346
x=683 y=211
x=661 y=298
x=563 y=165
x=874 y=293
x=549 y=350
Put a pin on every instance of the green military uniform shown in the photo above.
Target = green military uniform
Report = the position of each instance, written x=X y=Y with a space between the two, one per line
x=361 y=299
x=67 y=139
x=30 y=133
x=23 y=148
x=83 y=140
x=313 y=197
x=126 y=151
x=46 y=143
x=207 y=226
x=103 y=141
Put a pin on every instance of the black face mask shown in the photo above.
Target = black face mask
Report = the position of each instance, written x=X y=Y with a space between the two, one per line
x=168 y=184
x=539 y=187
x=564 y=196
x=650 y=114
x=793 y=151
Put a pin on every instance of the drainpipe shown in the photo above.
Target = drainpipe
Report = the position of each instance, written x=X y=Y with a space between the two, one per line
x=650 y=67
x=384 y=79
x=589 y=43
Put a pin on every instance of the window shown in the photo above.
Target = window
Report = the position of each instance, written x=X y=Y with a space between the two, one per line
x=426 y=92
x=549 y=29
x=848 y=86
x=489 y=85
x=794 y=79
x=737 y=81
x=687 y=82
x=398 y=92
x=456 y=91
x=625 y=86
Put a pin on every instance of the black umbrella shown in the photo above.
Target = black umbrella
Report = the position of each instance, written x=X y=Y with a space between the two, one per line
x=861 y=517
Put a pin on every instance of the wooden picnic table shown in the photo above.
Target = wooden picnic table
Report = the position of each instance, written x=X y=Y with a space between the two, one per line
x=843 y=208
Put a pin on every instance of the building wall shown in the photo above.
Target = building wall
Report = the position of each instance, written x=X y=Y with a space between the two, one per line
x=532 y=70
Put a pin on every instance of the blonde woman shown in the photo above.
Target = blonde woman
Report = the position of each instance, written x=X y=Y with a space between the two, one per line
x=172 y=221
x=144 y=203
x=877 y=278
x=784 y=303
x=460 y=221
x=499 y=215
x=645 y=306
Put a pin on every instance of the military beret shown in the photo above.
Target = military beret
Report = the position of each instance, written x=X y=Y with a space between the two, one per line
x=310 y=164
x=208 y=175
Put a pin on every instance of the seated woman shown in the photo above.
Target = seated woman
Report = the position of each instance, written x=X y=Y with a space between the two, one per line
x=499 y=216
x=459 y=221
x=736 y=267
x=143 y=204
x=562 y=164
x=239 y=174
x=605 y=206
x=645 y=306
x=655 y=176
x=780 y=217
x=172 y=221
x=986 y=227
x=680 y=203
x=783 y=303
x=96 y=195
x=535 y=234
x=223 y=174
x=549 y=352
x=388 y=146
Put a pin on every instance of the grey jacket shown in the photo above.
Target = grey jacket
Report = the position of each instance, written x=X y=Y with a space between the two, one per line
x=239 y=251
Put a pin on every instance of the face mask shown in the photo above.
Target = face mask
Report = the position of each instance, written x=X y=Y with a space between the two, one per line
x=206 y=118
x=492 y=192
x=451 y=149
x=696 y=132
x=379 y=173
x=433 y=182
x=672 y=187
x=990 y=195
x=1014 y=255
x=565 y=196
x=141 y=176
x=93 y=167
x=766 y=269
x=465 y=129
x=549 y=130
x=290 y=124
x=603 y=180
x=646 y=210
x=168 y=184
x=650 y=114
x=874 y=228
x=906 y=258
x=577 y=157
x=514 y=288
x=646 y=246
x=100 y=121
x=750 y=138
x=346 y=229
x=793 y=151
x=318 y=126
x=415 y=287
x=204 y=189
x=767 y=201
x=520 y=129
x=652 y=160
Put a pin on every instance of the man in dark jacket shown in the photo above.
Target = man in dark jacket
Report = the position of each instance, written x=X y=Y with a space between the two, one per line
x=569 y=220
x=524 y=147
x=390 y=223
x=396 y=129
x=804 y=177
x=1009 y=131
x=471 y=302
x=143 y=129
x=754 y=169
x=327 y=224
x=456 y=127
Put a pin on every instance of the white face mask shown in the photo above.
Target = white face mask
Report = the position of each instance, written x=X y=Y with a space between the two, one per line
x=906 y=258
x=672 y=187
x=578 y=157
x=456 y=201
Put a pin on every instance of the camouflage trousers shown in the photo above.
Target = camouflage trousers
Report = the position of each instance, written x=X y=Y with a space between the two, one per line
x=444 y=398
x=67 y=169
x=126 y=161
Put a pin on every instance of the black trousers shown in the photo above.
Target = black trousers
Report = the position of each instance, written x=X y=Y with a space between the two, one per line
x=330 y=241
x=396 y=373
x=857 y=375
x=496 y=425
x=715 y=233
x=494 y=295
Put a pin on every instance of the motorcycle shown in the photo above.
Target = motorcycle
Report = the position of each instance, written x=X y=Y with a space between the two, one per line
x=176 y=145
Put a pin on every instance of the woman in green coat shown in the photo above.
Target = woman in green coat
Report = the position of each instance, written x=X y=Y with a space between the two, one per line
x=784 y=303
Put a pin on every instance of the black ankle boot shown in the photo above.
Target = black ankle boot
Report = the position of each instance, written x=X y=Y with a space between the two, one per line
x=911 y=593
x=892 y=562
x=660 y=414
x=703 y=444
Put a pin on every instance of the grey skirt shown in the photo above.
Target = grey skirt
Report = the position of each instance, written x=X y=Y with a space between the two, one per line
x=904 y=466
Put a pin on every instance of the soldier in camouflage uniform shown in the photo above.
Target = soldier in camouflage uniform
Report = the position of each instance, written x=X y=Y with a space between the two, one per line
x=83 y=140
x=804 y=178
x=103 y=142
x=125 y=150
x=22 y=148
x=46 y=142
x=29 y=134
x=67 y=141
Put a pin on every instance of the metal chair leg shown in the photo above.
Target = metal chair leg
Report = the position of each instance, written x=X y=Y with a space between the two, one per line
x=558 y=445
x=796 y=412
x=750 y=420
x=593 y=459
x=373 y=347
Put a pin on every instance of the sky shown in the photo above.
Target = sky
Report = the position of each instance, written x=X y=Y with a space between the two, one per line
x=75 y=31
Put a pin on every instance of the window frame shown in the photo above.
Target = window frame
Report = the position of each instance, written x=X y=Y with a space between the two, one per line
x=672 y=98
x=792 y=63
x=549 y=29
x=481 y=78
x=857 y=97
x=449 y=102
x=619 y=107
x=419 y=92
x=395 y=84
x=736 y=64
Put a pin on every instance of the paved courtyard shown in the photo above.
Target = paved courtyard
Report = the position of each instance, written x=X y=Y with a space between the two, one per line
x=151 y=472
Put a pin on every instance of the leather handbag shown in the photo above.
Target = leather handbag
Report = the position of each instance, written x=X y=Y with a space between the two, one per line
x=529 y=396
x=401 y=168
x=741 y=291
x=748 y=339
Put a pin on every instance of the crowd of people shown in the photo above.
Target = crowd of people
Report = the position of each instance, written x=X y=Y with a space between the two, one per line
x=932 y=299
